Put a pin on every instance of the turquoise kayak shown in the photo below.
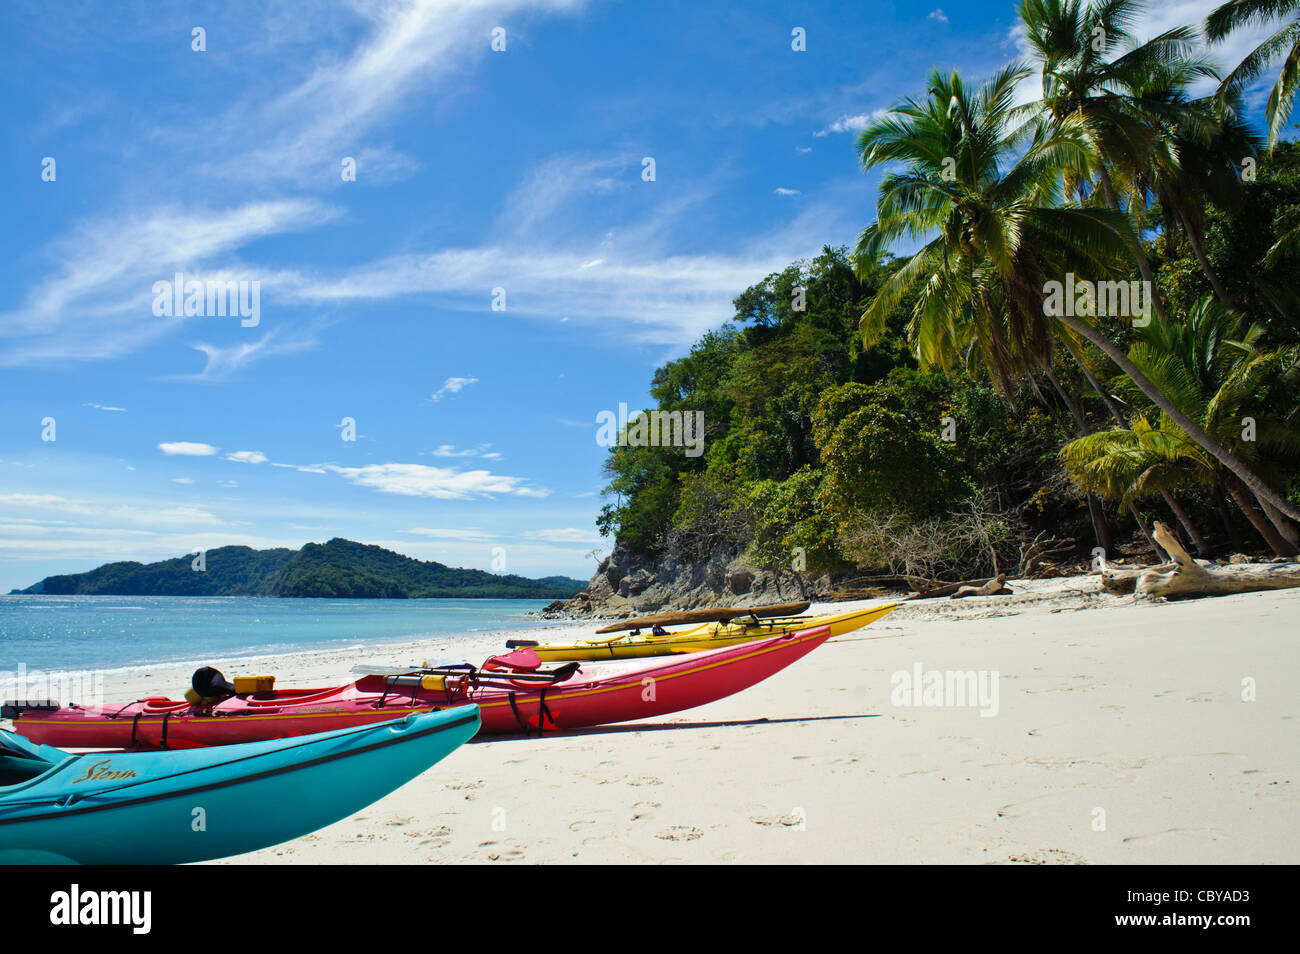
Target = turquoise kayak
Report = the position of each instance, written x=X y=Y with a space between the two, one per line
x=169 y=807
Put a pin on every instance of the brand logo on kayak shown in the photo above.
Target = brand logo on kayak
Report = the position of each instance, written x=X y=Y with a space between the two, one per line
x=946 y=689
x=104 y=772
x=651 y=429
x=32 y=686
x=74 y=907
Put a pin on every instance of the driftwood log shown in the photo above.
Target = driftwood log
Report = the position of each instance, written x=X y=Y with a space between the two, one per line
x=987 y=586
x=994 y=587
x=1184 y=576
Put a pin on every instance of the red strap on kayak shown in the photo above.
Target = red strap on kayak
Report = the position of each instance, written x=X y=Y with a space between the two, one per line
x=543 y=714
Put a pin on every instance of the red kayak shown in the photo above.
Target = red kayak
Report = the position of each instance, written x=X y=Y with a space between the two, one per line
x=513 y=693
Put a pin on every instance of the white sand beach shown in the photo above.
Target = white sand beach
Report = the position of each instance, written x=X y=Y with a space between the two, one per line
x=1121 y=736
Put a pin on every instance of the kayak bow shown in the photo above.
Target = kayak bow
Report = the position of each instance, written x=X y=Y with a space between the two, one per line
x=180 y=806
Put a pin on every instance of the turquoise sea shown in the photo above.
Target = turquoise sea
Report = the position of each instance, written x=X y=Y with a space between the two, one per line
x=80 y=633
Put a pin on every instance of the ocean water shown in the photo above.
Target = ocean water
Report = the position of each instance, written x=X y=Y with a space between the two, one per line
x=84 y=633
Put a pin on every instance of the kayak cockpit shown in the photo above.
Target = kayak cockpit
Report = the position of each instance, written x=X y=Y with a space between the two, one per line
x=16 y=771
x=20 y=760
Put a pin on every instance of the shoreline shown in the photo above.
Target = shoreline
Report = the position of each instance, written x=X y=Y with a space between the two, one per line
x=355 y=645
x=1129 y=713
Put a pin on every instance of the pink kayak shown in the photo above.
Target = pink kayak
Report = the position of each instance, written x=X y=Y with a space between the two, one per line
x=513 y=694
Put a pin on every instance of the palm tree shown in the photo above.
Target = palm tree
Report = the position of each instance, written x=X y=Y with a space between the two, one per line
x=990 y=187
x=1121 y=101
x=1211 y=366
x=1198 y=166
x=1130 y=463
x=1284 y=42
x=983 y=191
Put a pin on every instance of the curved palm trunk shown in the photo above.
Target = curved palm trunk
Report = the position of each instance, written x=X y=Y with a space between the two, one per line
x=1220 y=292
x=1230 y=528
x=1181 y=515
x=1092 y=379
x=1115 y=416
x=1257 y=519
x=1284 y=527
x=1229 y=460
x=1100 y=528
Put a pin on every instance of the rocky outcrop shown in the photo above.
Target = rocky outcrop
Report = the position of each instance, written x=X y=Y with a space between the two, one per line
x=626 y=584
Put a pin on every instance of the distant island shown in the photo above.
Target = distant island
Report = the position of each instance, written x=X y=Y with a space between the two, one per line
x=339 y=568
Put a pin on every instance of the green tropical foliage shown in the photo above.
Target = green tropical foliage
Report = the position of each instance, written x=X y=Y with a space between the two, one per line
x=913 y=393
x=1284 y=44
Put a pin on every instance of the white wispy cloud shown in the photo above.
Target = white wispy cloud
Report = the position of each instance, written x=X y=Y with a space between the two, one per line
x=781 y=190
x=554 y=184
x=564 y=535
x=452 y=386
x=247 y=457
x=104 y=407
x=658 y=299
x=413 y=47
x=443 y=483
x=187 y=449
x=464 y=535
x=483 y=451
x=853 y=123
x=223 y=361
x=937 y=15
x=93 y=303
x=97 y=301
x=130 y=514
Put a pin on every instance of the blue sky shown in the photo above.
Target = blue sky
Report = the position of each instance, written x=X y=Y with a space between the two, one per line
x=475 y=170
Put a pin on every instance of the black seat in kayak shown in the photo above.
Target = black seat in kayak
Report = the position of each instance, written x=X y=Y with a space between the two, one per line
x=209 y=683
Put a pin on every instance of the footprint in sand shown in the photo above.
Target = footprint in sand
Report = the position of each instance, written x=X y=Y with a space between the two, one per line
x=438 y=837
x=1047 y=856
x=787 y=821
x=363 y=836
x=644 y=810
x=581 y=824
x=1209 y=833
x=680 y=833
x=640 y=780
x=497 y=851
x=458 y=786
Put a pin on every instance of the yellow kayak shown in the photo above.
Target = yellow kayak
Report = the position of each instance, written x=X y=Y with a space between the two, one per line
x=705 y=636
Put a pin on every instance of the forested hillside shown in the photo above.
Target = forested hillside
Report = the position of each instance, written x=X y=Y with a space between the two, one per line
x=923 y=449
x=339 y=568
